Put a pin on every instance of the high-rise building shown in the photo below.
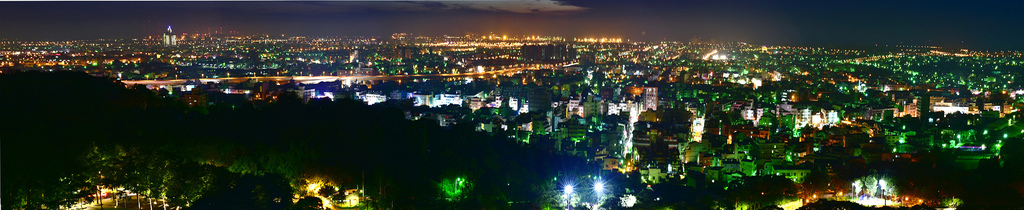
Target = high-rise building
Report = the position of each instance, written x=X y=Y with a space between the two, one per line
x=547 y=52
x=651 y=98
x=169 y=38
x=539 y=100
x=405 y=52
x=924 y=107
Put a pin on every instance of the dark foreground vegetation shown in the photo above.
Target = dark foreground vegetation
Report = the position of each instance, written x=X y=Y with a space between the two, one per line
x=68 y=136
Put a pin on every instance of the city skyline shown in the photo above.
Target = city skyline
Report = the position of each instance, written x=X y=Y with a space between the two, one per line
x=979 y=25
x=512 y=104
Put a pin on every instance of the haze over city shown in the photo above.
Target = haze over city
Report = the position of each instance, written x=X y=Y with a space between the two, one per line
x=989 y=25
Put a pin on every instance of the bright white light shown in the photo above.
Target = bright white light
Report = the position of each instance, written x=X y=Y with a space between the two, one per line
x=872 y=201
x=706 y=56
x=599 y=187
x=856 y=187
x=568 y=189
x=627 y=201
x=313 y=187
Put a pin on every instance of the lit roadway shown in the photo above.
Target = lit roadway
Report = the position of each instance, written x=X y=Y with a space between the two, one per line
x=317 y=79
x=869 y=58
x=706 y=56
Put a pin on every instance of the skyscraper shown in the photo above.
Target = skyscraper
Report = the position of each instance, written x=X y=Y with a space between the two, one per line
x=169 y=38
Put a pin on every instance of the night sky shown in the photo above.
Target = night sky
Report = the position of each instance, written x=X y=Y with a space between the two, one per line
x=985 y=25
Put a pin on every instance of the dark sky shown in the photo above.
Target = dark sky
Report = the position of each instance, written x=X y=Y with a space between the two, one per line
x=994 y=25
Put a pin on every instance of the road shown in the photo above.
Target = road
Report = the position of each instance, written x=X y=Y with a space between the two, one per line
x=127 y=203
x=868 y=59
x=317 y=79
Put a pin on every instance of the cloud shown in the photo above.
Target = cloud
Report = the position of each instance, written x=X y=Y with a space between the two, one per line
x=522 y=6
x=504 y=6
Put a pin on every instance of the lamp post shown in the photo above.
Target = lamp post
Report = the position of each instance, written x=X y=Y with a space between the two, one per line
x=568 y=195
x=856 y=189
x=599 y=190
x=881 y=187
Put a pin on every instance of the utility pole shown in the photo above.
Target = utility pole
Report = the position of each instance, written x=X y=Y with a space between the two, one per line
x=100 y=196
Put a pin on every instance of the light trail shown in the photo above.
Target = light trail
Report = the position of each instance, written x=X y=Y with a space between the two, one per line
x=317 y=79
x=706 y=56
x=869 y=58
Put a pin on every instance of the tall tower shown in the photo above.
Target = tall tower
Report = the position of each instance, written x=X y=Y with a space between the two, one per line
x=924 y=109
x=169 y=38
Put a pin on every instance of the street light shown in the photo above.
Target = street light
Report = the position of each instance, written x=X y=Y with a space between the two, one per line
x=881 y=184
x=599 y=193
x=568 y=194
x=856 y=188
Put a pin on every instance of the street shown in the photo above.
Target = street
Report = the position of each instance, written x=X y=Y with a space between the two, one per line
x=126 y=203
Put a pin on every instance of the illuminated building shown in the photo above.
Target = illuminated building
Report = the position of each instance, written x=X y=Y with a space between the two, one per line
x=169 y=38
x=795 y=173
x=305 y=93
x=372 y=98
x=437 y=100
x=651 y=98
x=195 y=98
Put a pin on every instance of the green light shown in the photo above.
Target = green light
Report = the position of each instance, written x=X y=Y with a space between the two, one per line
x=453 y=189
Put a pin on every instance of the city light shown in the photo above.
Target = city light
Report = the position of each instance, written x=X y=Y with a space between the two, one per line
x=313 y=187
x=643 y=116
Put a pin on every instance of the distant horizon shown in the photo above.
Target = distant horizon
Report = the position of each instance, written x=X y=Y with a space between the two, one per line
x=985 y=25
x=822 y=45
